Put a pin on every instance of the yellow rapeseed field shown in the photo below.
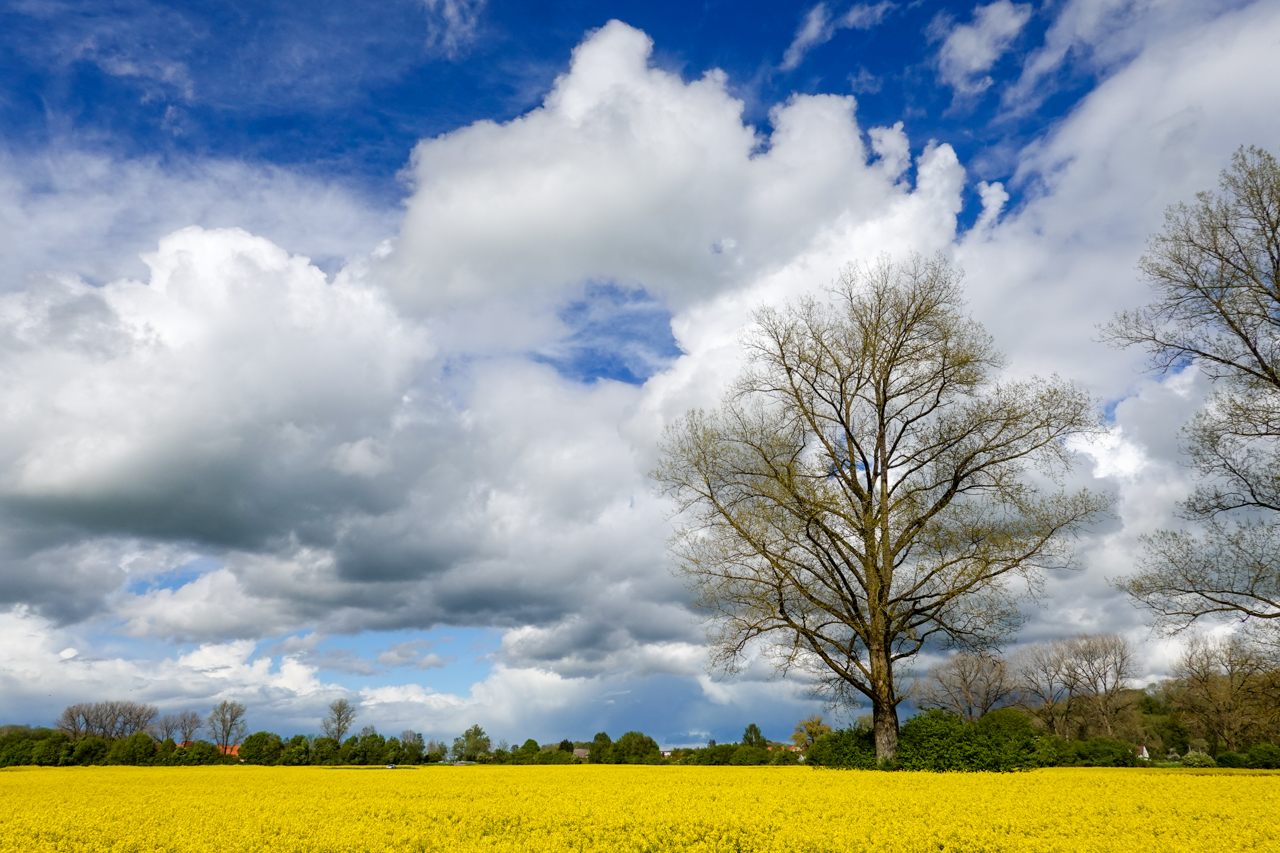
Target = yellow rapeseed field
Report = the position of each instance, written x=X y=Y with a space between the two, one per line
x=608 y=808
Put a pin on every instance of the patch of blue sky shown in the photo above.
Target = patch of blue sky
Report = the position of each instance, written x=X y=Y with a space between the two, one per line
x=340 y=91
x=174 y=578
x=615 y=333
x=441 y=660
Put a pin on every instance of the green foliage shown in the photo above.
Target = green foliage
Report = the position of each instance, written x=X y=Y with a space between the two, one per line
x=137 y=749
x=369 y=748
x=1094 y=752
x=90 y=750
x=565 y=745
x=749 y=756
x=1232 y=759
x=200 y=752
x=635 y=748
x=296 y=752
x=53 y=751
x=939 y=741
x=326 y=750
x=783 y=756
x=752 y=737
x=1198 y=759
x=712 y=756
x=261 y=748
x=471 y=745
x=598 y=752
x=1265 y=756
x=845 y=749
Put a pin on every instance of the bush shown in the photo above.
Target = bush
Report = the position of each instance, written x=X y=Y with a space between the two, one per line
x=1232 y=759
x=137 y=749
x=782 y=756
x=1198 y=759
x=1265 y=756
x=200 y=752
x=843 y=749
x=634 y=748
x=261 y=748
x=749 y=756
x=90 y=750
x=1095 y=752
x=53 y=751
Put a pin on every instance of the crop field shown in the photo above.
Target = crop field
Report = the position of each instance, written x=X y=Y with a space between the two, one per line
x=611 y=808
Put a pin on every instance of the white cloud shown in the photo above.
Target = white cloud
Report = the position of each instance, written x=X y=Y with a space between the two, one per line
x=818 y=27
x=453 y=24
x=91 y=215
x=375 y=450
x=970 y=50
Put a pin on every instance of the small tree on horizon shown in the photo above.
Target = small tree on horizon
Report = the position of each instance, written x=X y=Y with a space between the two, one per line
x=226 y=724
x=341 y=716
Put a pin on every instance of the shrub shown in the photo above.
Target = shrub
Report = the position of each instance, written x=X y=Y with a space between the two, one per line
x=844 y=749
x=1198 y=759
x=782 y=756
x=1265 y=756
x=138 y=748
x=91 y=750
x=261 y=748
x=1232 y=759
x=749 y=756
x=52 y=751
x=1098 y=752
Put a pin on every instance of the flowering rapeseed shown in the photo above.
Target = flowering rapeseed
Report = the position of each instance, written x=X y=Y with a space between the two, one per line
x=608 y=808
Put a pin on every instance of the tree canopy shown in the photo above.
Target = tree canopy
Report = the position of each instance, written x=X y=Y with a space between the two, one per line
x=863 y=488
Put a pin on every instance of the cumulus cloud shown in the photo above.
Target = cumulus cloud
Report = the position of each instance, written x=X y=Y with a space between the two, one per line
x=970 y=50
x=406 y=444
x=91 y=215
x=818 y=27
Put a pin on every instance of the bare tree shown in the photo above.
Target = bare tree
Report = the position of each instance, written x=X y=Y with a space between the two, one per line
x=1099 y=669
x=1046 y=684
x=861 y=491
x=341 y=715
x=226 y=724
x=1227 y=689
x=165 y=727
x=1215 y=269
x=73 y=721
x=968 y=683
x=189 y=724
x=109 y=720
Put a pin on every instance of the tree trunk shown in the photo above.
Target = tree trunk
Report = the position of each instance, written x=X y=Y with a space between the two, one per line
x=884 y=710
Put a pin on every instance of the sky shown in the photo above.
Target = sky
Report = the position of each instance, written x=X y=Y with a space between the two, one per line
x=337 y=338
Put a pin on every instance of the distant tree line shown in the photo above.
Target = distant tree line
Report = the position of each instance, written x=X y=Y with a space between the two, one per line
x=1069 y=703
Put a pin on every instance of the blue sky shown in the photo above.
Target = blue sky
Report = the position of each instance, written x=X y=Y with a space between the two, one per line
x=338 y=336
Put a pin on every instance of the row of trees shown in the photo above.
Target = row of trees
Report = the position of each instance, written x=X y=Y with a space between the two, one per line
x=1223 y=696
x=866 y=487
x=114 y=720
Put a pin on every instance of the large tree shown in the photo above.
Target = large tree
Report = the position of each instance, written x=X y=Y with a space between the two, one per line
x=339 y=719
x=1215 y=271
x=863 y=489
x=226 y=724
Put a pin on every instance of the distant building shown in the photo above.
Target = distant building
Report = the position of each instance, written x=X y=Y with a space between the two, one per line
x=580 y=754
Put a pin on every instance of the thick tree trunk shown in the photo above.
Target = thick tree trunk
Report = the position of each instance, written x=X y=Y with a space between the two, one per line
x=884 y=710
x=885 y=717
